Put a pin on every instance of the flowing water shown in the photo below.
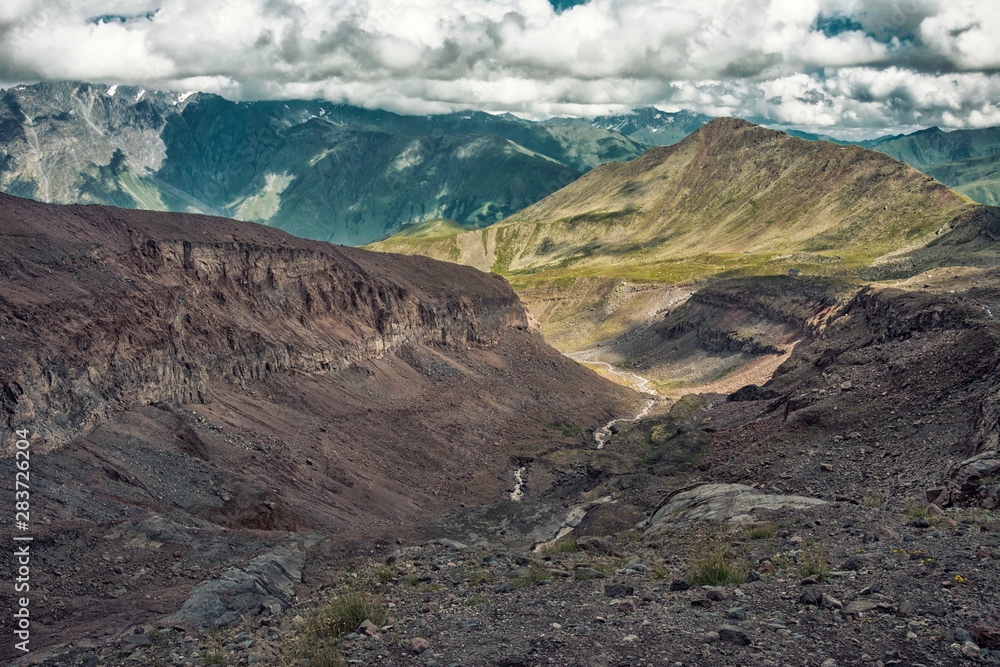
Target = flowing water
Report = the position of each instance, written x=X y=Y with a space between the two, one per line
x=628 y=378
x=603 y=434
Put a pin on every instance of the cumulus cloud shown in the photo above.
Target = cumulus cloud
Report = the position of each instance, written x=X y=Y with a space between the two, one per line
x=850 y=64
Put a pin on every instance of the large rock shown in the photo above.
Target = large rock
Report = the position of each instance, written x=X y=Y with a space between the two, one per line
x=963 y=480
x=718 y=503
x=239 y=591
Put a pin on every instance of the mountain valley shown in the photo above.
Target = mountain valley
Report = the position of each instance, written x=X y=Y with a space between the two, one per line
x=341 y=456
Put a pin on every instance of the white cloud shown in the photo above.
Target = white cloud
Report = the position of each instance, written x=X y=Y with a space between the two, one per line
x=894 y=62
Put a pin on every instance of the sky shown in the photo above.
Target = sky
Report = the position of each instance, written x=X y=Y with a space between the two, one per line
x=847 y=68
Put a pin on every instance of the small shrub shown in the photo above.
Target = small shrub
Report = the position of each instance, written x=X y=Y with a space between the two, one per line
x=213 y=658
x=715 y=566
x=762 y=531
x=814 y=562
x=566 y=545
x=873 y=500
x=921 y=512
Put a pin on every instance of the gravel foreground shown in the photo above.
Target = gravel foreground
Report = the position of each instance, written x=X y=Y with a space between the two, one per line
x=838 y=584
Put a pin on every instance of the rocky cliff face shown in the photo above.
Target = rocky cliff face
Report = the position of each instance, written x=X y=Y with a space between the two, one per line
x=234 y=310
x=196 y=373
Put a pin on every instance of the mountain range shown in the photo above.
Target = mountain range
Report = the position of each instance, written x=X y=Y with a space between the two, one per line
x=732 y=199
x=350 y=175
x=356 y=456
x=316 y=169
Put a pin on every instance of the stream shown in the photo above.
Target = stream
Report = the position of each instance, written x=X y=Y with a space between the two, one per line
x=518 y=493
x=641 y=384
x=603 y=434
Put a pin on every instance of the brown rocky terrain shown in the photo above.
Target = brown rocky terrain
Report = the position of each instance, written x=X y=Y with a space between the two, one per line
x=202 y=392
x=843 y=513
x=787 y=524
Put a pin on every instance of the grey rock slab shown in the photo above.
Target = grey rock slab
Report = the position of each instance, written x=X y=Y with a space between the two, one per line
x=718 y=503
x=734 y=635
x=858 y=608
x=267 y=579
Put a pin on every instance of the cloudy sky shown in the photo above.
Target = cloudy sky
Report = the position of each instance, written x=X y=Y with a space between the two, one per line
x=842 y=67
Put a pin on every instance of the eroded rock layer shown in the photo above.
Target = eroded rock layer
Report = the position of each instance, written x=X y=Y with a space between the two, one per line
x=226 y=375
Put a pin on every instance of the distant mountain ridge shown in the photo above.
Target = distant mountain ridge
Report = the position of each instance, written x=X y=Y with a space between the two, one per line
x=313 y=168
x=733 y=199
x=731 y=187
x=649 y=125
x=965 y=160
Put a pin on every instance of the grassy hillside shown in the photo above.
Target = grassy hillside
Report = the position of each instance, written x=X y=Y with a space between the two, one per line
x=731 y=199
x=732 y=196
x=977 y=178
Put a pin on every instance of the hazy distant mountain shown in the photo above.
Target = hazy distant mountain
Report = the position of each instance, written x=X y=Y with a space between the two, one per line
x=976 y=177
x=966 y=160
x=932 y=146
x=316 y=169
x=647 y=124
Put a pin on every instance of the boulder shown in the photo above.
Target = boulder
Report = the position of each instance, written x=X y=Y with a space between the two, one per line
x=238 y=592
x=718 y=503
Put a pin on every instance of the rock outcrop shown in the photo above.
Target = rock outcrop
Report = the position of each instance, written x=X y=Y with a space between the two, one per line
x=718 y=503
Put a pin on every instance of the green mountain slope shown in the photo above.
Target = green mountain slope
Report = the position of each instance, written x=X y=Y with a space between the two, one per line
x=324 y=180
x=433 y=228
x=316 y=169
x=932 y=146
x=731 y=199
x=733 y=191
x=978 y=178
x=965 y=160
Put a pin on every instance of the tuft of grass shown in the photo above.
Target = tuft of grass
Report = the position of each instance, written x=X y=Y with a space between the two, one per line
x=716 y=566
x=481 y=577
x=383 y=574
x=319 y=638
x=921 y=512
x=814 y=561
x=342 y=615
x=213 y=658
x=762 y=531
x=566 y=545
x=534 y=575
x=474 y=600
x=660 y=573
x=977 y=516
x=873 y=500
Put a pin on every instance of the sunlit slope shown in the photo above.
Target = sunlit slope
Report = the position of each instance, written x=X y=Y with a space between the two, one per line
x=731 y=195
